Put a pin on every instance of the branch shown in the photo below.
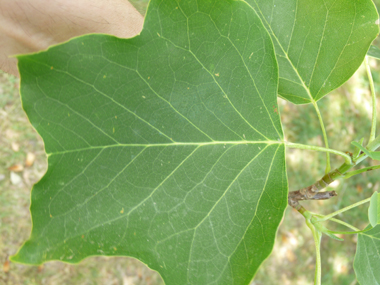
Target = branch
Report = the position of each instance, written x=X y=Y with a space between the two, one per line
x=306 y=194
x=309 y=192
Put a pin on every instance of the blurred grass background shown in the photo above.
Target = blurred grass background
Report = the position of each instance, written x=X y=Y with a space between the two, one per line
x=347 y=116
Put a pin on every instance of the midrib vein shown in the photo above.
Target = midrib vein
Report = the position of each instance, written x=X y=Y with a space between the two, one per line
x=243 y=142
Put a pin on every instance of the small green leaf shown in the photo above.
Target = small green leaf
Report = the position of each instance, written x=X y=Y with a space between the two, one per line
x=362 y=148
x=374 y=51
x=166 y=147
x=372 y=154
x=357 y=150
x=374 y=210
x=367 y=257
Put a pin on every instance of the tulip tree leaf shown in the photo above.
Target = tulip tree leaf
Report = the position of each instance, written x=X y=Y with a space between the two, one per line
x=367 y=257
x=166 y=147
x=374 y=210
x=319 y=43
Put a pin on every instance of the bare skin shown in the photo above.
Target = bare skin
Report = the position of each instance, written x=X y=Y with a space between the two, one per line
x=33 y=25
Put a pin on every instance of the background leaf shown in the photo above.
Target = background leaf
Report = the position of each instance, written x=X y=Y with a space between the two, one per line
x=374 y=210
x=367 y=258
x=374 y=52
x=319 y=43
x=165 y=147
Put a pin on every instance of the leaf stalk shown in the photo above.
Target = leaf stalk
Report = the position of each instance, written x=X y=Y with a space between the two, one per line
x=308 y=192
x=317 y=236
x=373 y=96
x=327 y=217
x=328 y=165
x=347 y=157
x=355 y=172
x=344 y=224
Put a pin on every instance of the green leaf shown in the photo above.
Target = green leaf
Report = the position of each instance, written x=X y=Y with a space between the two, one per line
x=333 y=236
x=362 y=148
x=166 y=147
x=372 y=154
x=319 y=43
x=357 y=151
x=367 y=257
x=321 y=228
x=374 y=51
x=375 y=155
x=374 y=210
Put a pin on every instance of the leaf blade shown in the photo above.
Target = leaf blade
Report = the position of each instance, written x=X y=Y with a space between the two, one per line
x=183 y=157
x=367 y=257
x=374 y=210
x=318 y=44
x=372 y=154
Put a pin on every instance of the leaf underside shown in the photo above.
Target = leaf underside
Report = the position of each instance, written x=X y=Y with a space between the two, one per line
x=319 y=43
x=165 y=147
x=367 y=257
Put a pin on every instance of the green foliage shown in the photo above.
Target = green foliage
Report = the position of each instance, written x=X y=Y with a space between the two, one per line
x=319 y=44
x=367 y=258
x=372 y=154
x=374 y=210
x=153 y=152
x=168 y=147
